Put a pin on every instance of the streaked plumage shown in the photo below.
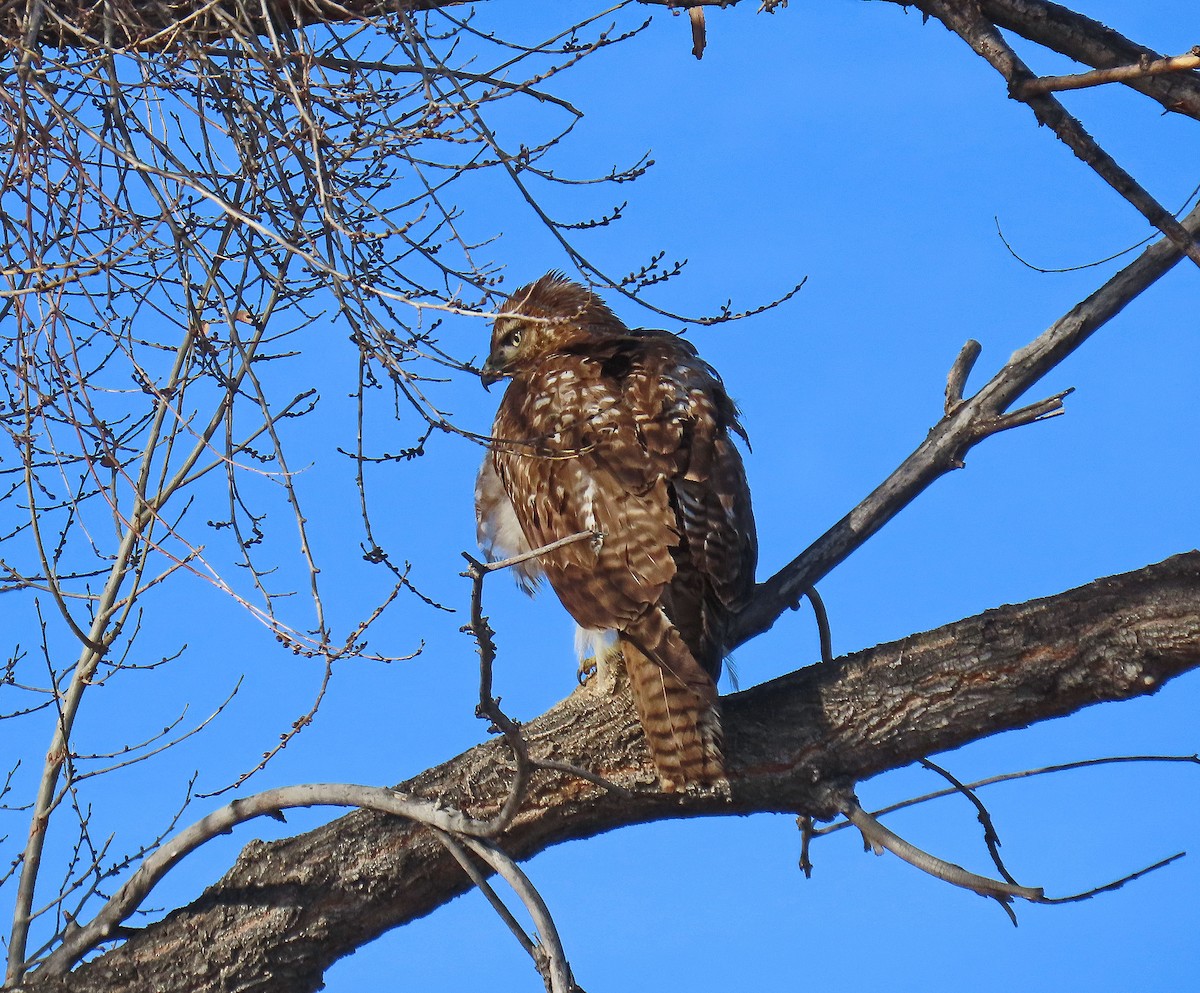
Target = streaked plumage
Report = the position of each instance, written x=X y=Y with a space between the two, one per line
x=627 y=433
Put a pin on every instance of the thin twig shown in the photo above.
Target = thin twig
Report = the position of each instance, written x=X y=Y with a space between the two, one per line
x=1116 y=884
x=991 y=837
x=1009 y=777
x=554 y=966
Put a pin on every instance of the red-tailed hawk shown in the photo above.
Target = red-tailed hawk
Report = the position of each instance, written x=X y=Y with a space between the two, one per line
x=627 y=434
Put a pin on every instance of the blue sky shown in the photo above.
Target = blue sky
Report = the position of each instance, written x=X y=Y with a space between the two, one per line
x=846 y=143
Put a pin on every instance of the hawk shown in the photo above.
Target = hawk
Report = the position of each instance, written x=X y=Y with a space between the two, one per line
x=627 y=434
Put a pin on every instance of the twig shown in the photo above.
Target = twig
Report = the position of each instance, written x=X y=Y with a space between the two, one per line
x=880 y=837
x=489 y=705
x=1008 y=777
x=553 y=967
x=496 y=566
x=461 y=856
x=1117 y=74
x=990 y=836
x=1117 y=883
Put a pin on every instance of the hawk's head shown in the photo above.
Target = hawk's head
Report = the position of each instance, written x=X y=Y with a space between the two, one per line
x=545 y=317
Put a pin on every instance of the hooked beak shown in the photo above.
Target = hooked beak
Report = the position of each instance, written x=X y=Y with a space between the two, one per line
x=489 y=374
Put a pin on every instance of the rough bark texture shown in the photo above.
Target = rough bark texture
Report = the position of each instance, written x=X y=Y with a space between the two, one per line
x=1092 y=43
x=155 y=25
x=288 y=909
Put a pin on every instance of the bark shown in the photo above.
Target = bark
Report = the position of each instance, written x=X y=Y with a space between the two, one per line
x=1094 y=44
x=288 y=909
x=163 y=24
x=156 y=25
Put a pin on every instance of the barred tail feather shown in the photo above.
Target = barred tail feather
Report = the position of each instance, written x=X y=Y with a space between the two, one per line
x=676 y=703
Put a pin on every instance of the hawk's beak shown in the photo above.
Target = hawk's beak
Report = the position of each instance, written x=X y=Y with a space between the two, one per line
x=489 y=374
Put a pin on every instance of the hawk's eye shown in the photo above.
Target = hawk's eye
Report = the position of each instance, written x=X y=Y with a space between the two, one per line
x=514 y=337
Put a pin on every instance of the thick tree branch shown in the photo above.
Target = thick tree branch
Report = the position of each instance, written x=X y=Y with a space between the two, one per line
x=288 y=909
x=965 y=425
x=156 y=25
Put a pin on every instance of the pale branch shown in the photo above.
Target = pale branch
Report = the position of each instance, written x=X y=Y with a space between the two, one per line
x=968 y=423
x=108 y=922
x=288 y=909
x=883 y=839
x=1004 y=777
x=1117 y=74
x=500 y=564
x=956 y=379
x=1091 y=43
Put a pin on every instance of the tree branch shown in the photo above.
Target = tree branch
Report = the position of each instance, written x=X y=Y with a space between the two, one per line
x=1091 y=43
x=288 y=909
x=965 y=425
x=985 y=40
x=1117 y=74
x=1061 y=30
x=157 y=26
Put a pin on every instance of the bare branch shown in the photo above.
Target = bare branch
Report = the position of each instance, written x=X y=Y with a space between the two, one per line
x=552 y=961
x=1009 y=777
x=987 y=42
x=1117 y=74
x=794 y=744
x=880 y=837
x=948 y=442
x=956 y=379
x=268 y=803
x=1089 y=42
x=991 y=837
